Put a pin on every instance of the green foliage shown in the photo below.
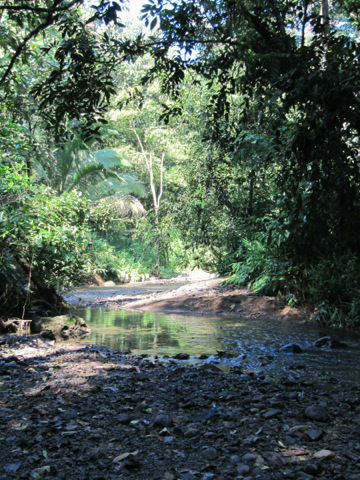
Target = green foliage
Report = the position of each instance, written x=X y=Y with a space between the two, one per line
x=336 y=281
x=262 y=268
x=113 y=264
x=45 y=229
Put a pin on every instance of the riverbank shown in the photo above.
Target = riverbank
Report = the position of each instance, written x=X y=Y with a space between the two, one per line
x=208 y=296
x=80 y=411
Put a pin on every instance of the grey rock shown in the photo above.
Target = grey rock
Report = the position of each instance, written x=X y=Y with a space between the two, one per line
x=248 y=458
x=235 y=459
x=124 y=418
x=314 y=434
x=323 y=454
x=317 y=413
x=242 y=469
x=272 y=413
x=322 y=342
x=210 y=453
x=162 y=420
x=291 y=348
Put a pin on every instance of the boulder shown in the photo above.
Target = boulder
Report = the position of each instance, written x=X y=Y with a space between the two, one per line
x=61 y=327
x=109 y=283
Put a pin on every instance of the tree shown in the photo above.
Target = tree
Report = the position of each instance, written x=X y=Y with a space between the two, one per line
x=156 y=195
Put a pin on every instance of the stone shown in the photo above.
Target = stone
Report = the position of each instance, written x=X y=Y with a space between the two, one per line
x=291 y=348
x=47 y=334
x=330 y=343
x=182 y=356
x=242 y=469
x=248 y=458
x=303 y=476
x=323 y=454
x=124 y=418
x=317 y=413
x=210 y=453
x=272 y=413
x=314 y=434
x=337 y=344
x=312 y=469
x=168 y=439
x=109 y=283
x=162 y=420
x=322 y=342
x=235 y=459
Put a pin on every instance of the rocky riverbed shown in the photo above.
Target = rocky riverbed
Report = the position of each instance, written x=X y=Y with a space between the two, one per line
x=86 y=412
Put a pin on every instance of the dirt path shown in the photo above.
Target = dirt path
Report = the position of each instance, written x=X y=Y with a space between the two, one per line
x=84 y=412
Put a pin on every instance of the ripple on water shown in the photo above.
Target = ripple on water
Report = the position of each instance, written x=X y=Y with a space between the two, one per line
x=254 y=344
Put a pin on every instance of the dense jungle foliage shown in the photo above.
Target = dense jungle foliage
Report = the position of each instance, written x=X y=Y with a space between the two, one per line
x=213 y=134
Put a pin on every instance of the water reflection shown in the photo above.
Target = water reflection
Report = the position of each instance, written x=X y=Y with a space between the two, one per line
x=255 y=343
x=156 y=334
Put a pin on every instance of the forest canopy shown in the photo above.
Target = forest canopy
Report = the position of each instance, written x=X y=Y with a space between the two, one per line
x=220 y=134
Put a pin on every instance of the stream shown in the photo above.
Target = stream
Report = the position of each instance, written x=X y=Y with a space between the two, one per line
x=252 y=344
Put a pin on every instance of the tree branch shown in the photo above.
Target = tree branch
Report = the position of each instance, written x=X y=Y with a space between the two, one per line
x=50 y=19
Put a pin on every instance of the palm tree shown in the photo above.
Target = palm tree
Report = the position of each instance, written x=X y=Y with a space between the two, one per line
x=97 y=174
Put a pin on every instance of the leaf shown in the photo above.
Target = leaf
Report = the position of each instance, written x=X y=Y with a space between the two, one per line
x=125 y=455
x=153 y=23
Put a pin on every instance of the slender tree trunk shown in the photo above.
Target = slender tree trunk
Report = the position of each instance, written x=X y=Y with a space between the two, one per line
x=325 y=13
x=148 y=158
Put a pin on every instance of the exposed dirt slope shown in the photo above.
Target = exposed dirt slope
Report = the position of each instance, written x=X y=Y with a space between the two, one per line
x=206 y=297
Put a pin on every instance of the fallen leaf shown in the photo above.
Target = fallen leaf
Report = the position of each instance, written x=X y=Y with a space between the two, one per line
x=122 y=456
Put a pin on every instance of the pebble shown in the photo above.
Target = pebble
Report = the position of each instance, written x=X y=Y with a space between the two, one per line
x=248 y=457
x=209 y=453
x=317 y=413
x=272 y=413
x=243 y=469
x=314 y=434
x=323 y=454
x=162 y=420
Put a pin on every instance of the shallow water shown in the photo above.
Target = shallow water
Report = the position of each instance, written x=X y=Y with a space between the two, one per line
x=254 y=344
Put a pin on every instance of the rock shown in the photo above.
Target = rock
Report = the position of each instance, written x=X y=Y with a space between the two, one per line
x=314 y=434
x=12 y=467
x=272 y=413
x=210 y=367
x=162 y=420
x=330 y=343
x=242 y=469
x=322 y=342
x=109 y=283
x=292 y=348
x=47 y=334
x=168 y=439
x=56 y=324
x=210 y=453
x=312 y=469
x=124 y=418
x=303 y=476
x=337 y=344
x=317 y=413
x=62 y=327
x=235 y=459
x=191 y=431
x=182 y=356
x=248 y=458
x=323 y=454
